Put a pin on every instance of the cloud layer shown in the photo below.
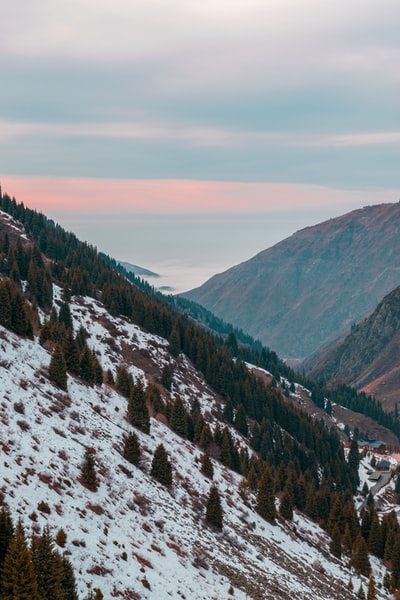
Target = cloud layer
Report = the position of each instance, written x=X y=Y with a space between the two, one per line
x=295 y=91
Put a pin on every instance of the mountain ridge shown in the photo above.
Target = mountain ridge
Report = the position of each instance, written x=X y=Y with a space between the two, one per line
x=368 y=358
x=314 y=284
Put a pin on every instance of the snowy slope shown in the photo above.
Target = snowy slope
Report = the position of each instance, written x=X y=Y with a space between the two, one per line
x=134 y=538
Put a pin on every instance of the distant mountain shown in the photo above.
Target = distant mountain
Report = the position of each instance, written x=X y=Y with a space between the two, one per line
x=138 y=271
x=312 y=286
x=369 y=357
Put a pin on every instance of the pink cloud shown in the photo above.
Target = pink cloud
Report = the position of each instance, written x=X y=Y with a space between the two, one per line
x=53 y=195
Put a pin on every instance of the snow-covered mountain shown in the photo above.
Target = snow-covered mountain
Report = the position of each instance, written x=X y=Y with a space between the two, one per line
x=130 y=536
x=134 y=538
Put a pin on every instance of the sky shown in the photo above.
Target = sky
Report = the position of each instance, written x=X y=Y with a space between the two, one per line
x=186 y=136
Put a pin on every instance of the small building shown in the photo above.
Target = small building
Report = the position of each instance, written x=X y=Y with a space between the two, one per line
x=375 y=476
x=372 y=445
x=382 y=465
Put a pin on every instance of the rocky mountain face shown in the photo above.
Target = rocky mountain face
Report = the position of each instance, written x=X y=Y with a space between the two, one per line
x=312 y=286
x=369 y=357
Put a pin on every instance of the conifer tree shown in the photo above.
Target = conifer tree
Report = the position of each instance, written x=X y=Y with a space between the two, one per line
x=18 y=579
x=228 y=410
x=64 y=315
x=58 y=368
x=6 y=532
x=138 y=413
x=86 y=366
x=161 y=468
x=175 y=341
x=226 y=454
x=395 y=557
x=360 y=558
x=286 y=505
x=179 y=417
x=68 y=582
x=132 y=449
x=214 y=515
x=266 y=496
x=153 y=397
x=206 y=437
x=48 y=567
x=252 y=478
x=88 y=471
x=5 y=305
x=354 y=462
x=371 y=594
x=166 y=377
x=335 y=545
x=241 y=421
x=375 y=541
x=19 y=320
x=71 y=353
x=206 y=465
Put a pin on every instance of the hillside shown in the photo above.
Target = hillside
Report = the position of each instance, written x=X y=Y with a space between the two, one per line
x=368 y=358
x=91 y=363
x=134 y=538
x=312 y=286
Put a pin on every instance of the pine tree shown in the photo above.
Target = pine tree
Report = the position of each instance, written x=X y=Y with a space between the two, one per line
x=206 y=437
x=354 y=462
x=214 y=515
x=241 y=421
x=371 y=595
x=138 y=413
x=6 y=532
x=161 y=468
x=360 y=558
x=266 y=496
x=19 y=320
x=206 y=465
x=335 y=545
x=175 y=341
x=86 y=366
x=5 y=305
x=71 y=353
x=226 y=453
x=286 y=505
x=88 y=471
x=179 y=417
x=48 y=567
x=64 y=315
x=132 y=449
x=123 y=381
x=18 y=579
x=166 y=377
x=395 y=558
x=375 y=541
x=68 y=582
x=252 y=478
x=58 y=368
x=228 y=410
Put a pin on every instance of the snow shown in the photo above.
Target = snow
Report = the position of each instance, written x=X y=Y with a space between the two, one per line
x=133 y=534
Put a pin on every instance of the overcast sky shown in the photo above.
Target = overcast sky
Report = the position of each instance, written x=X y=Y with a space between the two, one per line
x=209 y=127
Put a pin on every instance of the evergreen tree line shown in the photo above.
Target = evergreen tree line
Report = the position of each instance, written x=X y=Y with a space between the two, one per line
x=71 y=353
x=15 y=313
x=78 y=266
x=283 y=435
x=35 y=571
x=24 y=262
